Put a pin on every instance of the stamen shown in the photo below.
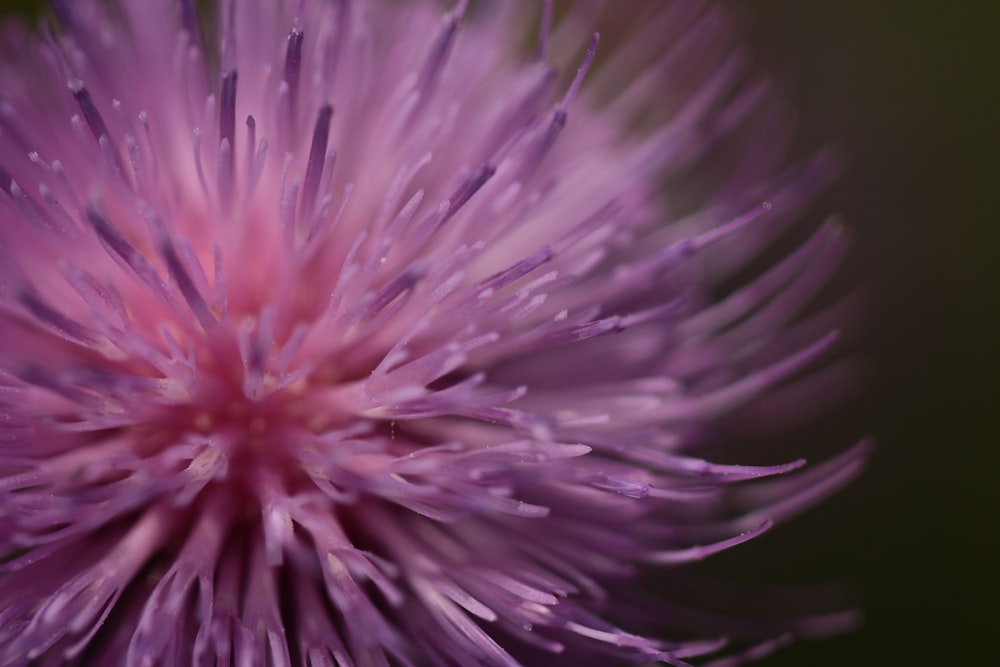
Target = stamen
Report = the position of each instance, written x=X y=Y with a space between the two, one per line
x=257 y=168
x=559 y=114
x=225 y=173
x=196 y=135
x=121 y=249
x=588 y=60
x=90 y=113
x=227 y=114
x=471 y=186
x=541 y=51
x=317 y=157
x=189 y=20
x=441 y=49
x=148 y=132
x=400 y=287
x=447 y=209
x=293 y=63
x=5 y=181
x=697 y=553
x=97 y=127
x=64 y=10
x=53 y=319
x=187 y=286
x=251 y=144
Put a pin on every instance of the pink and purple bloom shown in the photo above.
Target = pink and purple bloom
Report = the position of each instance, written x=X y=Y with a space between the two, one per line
x=347 y=333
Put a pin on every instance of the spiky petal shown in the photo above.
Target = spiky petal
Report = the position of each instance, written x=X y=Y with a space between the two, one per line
x=344 y=333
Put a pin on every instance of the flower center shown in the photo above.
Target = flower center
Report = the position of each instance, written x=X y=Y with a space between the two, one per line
x=253 y=426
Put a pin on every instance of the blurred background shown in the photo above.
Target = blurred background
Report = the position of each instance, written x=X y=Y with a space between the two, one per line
x=908 y=88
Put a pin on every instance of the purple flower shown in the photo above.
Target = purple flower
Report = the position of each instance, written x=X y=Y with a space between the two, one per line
x=341 y=333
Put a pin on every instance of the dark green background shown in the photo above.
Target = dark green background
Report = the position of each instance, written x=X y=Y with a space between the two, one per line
x=908 y=88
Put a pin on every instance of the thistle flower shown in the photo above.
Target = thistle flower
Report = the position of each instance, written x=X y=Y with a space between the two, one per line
x=344 y=333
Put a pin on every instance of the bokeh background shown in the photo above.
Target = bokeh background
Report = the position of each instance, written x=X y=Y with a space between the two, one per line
x=908 y=88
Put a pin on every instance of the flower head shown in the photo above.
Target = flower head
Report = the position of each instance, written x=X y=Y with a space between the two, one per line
x=344 y=333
